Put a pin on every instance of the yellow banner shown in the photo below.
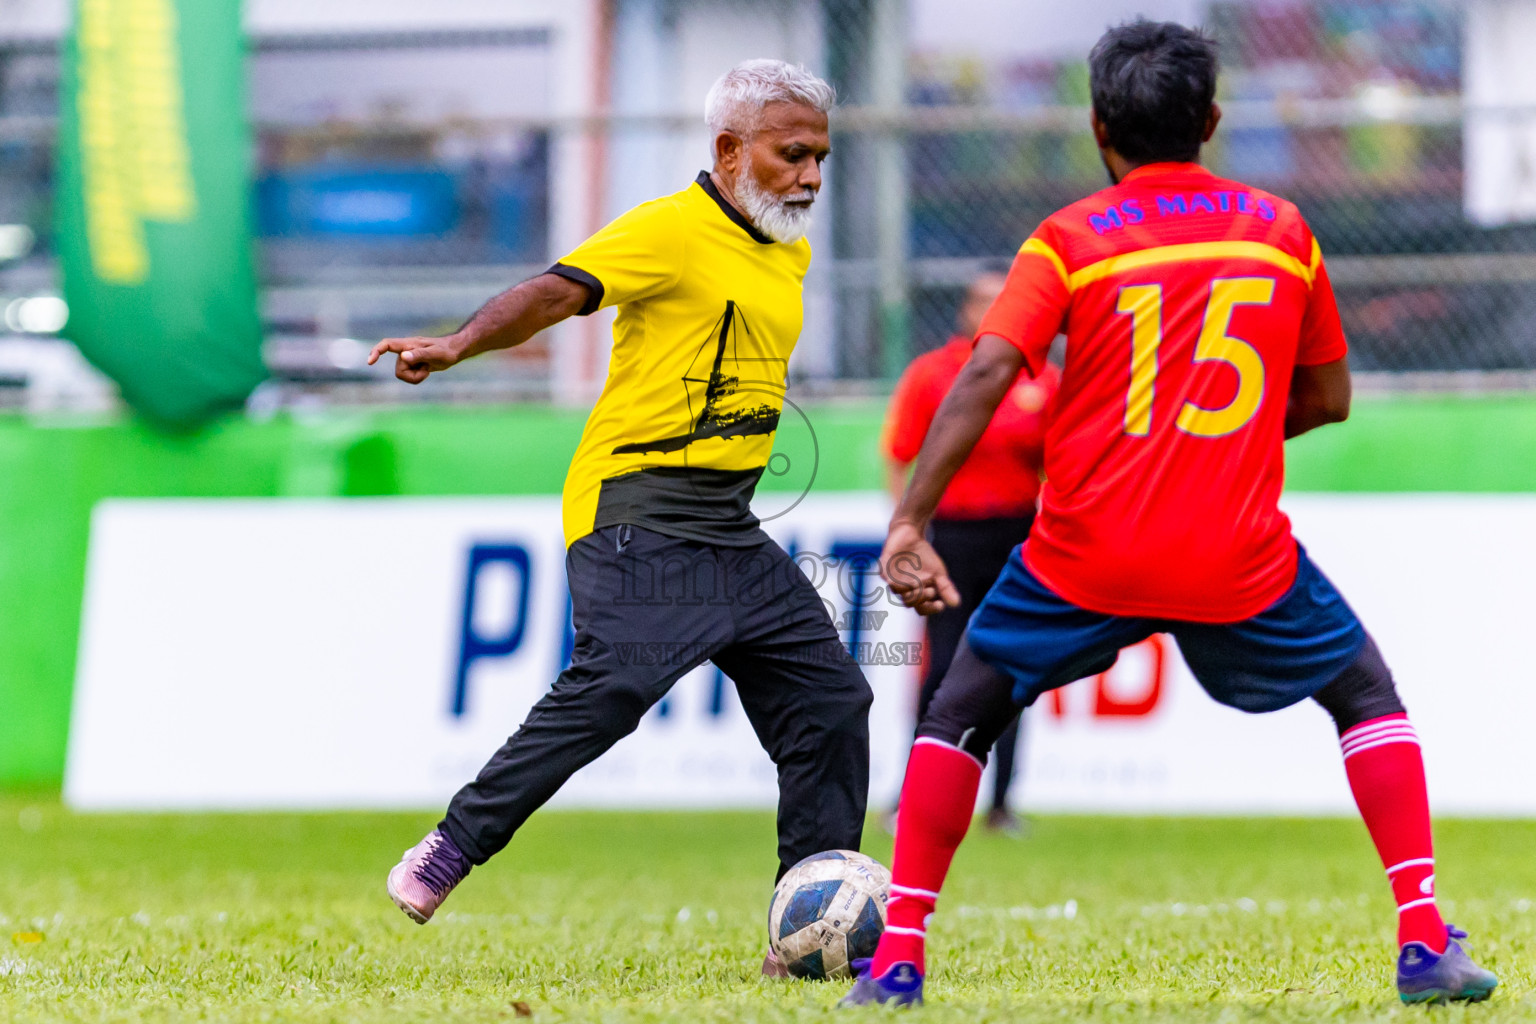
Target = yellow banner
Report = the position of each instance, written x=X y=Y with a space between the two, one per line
x=136 y=163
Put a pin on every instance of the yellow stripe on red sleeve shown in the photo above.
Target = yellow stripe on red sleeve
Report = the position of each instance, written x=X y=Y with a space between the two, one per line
x=1035 y=245
x=1028 y=313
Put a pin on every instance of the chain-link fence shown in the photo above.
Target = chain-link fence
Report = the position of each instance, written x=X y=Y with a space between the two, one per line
x=1351 y=108
x=403 y=177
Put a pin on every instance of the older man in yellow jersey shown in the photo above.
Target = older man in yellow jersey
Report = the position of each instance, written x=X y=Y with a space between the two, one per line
x=657 y=502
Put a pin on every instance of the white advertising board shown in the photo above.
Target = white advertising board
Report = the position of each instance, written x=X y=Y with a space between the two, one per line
x=1443 y=582
x=373 y=653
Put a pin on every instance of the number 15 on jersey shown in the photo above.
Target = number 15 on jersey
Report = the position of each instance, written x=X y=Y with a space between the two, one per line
x=1143 y=303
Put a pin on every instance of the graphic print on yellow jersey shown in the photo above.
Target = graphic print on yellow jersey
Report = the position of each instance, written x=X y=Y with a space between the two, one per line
x=729 y=407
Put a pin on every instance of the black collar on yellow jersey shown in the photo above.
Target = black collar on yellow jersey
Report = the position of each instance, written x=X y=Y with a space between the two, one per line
x=707 y=183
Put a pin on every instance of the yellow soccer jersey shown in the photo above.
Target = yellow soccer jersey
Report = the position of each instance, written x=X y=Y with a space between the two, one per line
x=709 y=312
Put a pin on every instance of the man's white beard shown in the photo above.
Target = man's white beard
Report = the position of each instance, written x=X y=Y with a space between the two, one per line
x=771 y=214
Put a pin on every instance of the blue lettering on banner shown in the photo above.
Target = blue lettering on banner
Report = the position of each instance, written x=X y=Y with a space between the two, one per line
x=859 y=561
x=716 y=705
x=472 y=646
x=717 y=694
x=862 y=559
x=567 y=634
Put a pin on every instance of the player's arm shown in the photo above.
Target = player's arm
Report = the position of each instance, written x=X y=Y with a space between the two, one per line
x=909 y=563
x=1016 y=333
x=509 y=319
x=1320 y=388
x=1319 y=395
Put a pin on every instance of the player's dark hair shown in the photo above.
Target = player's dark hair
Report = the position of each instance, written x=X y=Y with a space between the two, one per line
x=1153 y=83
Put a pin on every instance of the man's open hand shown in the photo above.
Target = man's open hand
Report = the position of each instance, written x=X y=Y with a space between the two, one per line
x=416 y=358
x=915 y=572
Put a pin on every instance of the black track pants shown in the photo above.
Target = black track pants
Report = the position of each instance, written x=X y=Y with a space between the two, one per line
x=648 y=608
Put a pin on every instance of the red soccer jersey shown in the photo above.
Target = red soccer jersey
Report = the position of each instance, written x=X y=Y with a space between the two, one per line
x=1187 y=301
x=1001 y=477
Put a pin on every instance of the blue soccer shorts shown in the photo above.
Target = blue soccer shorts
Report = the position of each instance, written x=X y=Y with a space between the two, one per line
x=1284 y=654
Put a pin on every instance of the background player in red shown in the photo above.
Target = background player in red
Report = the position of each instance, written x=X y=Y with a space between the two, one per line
x=988 y=506
x=1201 y=333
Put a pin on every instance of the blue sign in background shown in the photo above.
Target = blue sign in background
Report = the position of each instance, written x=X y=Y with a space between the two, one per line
x=393 y=202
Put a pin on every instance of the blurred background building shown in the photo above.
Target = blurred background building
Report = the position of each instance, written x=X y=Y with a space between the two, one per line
x=412 y=159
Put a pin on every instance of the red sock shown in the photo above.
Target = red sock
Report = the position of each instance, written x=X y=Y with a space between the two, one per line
x=1386 y=774
x=938 y=799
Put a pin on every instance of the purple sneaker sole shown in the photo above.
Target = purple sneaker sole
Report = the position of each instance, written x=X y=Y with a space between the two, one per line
x=1427 y=977
x=902 y=985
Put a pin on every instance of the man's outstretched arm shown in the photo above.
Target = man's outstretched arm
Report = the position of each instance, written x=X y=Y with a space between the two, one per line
x=909 y=563
x=509 y=319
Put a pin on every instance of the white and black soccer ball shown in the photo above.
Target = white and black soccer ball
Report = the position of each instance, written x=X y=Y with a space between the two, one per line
x=828 y=910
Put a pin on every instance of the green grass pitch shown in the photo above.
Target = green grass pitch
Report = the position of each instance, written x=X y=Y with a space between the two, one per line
x=651 y=917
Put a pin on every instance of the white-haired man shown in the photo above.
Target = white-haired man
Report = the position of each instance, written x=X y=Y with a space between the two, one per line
x=667 y=565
